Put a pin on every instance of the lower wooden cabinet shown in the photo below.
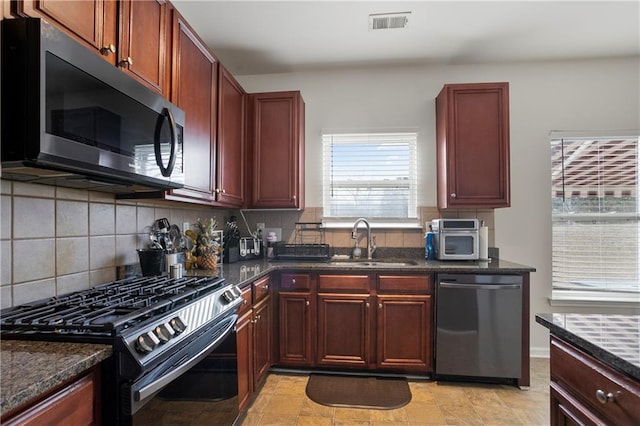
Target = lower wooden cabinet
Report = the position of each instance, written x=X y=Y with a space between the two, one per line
x=244 y=341
x=404 y=332
x=344 y=330
x=262 y=349
x=363 y=321
x=584 y=391
x=74 y=404
x=295 y=332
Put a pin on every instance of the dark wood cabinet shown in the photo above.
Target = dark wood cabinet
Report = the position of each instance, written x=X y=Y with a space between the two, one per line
x=404 y=336
x=195 y=72
x=276 y=134
x=144 y=42
x=244 y=342
x=585 y=391
x=295 y=335
x=133 y=35
x=472 y=132
x=262 y=338
x=230 y=179
x=344 y=330
x=74 y=403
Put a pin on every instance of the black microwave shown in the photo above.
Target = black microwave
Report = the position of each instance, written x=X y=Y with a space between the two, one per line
x=70 y=118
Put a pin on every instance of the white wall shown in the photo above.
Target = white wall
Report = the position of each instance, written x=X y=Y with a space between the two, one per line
x=577 y=95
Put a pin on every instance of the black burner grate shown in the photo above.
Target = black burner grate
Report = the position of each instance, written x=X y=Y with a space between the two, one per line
x=106 y=309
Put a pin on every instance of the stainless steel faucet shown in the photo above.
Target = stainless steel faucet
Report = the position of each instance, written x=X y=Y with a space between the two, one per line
x=354 y=234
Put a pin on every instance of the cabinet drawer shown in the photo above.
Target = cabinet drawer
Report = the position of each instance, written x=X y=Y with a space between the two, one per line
x=343 y=282
x=260 y=289
x=247 y=293
x=412 y=283
x=587 y=377
x=295 y=282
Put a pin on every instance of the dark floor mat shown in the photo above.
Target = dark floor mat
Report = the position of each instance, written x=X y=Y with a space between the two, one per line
x=381 y=393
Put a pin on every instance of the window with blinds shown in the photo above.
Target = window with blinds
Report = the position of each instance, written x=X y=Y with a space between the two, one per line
x=370 y=175
x=595 y=218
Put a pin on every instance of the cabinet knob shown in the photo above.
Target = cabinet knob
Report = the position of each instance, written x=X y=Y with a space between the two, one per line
x=454 y=195
x=379 y=305
x=266 y=288
x=217 y=190
x=367 y=304
x=293 y=281
x=603 y=397
x=105 y=50
x=306 y=303
x=126 y=62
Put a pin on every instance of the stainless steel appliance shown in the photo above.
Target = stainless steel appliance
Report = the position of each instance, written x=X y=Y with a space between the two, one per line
x=250 y=248
x=159 y=328
x=456 y=239
x=69 y=118
x=478 y=326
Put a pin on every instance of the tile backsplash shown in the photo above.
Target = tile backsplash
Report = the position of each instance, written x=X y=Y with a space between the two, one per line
x=55 y=240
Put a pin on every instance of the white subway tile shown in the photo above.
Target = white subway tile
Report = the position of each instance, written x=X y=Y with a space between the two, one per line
x=33 y=290
x=5 y=186
x=73 y=282
x=102 y=276
x=126 y=246
x=33 y=260
x=63 y=193
x=6 y=298
x=102 y=251
x=145 y=218
x=102 y=219
x=72 y=218
x=72 y=255
x=126 y=219
x=33 y=218
x=5 y=212
x=34 y=190
x=5 y=257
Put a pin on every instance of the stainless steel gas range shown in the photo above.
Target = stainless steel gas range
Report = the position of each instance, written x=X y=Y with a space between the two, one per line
x=159 y=328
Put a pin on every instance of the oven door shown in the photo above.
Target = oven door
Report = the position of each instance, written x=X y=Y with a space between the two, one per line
x=458 y=245
x=138 y=393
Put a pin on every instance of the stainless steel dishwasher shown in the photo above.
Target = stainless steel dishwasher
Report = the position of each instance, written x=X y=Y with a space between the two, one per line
x=478 y=326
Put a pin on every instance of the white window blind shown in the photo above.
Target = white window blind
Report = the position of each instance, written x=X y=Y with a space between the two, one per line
x=595 y=218
x=370 y=175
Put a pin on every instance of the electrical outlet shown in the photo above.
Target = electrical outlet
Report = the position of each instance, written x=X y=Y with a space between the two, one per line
x=260 y=226
x=185 y=226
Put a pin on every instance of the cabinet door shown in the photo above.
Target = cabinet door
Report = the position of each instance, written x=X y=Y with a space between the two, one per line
x=262 y=349
x=404 y=338
x=194 y=91
x=277 y=144
x=568 y=411
x=472 y=130
x=344 y=329
x=231 y=141
x=91 y=22
x=244 y=341
x=295 y=329
x=144 y=40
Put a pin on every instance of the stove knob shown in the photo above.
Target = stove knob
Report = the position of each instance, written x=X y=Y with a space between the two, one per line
x=229 y=296
x=164 y=332
x=177 y=325
x=147 y=342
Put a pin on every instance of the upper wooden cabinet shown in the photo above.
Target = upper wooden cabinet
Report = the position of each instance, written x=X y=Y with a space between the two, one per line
x=276 y=132
x=195 y=71
x=134 y=35
x=472 y=130
x=144 y=42
x=230 y=178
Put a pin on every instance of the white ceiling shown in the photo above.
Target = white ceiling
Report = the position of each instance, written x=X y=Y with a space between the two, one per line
x=258 y=37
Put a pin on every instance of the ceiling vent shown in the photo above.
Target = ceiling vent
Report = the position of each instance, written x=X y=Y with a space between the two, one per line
x=387 y=21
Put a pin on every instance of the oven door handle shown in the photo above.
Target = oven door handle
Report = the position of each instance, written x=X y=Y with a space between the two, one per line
x=155 y=386
x=443 y=284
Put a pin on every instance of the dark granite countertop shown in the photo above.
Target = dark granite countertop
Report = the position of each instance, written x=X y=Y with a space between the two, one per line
x=242 y=272
x=31 y=368
x=612 y=339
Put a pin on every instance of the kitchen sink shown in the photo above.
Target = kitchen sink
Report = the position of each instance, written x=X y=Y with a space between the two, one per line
x=373 y=263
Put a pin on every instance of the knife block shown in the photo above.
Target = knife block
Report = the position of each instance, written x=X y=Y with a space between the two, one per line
x=231 y=254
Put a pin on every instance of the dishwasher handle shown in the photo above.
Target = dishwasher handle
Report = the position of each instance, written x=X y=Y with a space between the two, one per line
x=444 y=284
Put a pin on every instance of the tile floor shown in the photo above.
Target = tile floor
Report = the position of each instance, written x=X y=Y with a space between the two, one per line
x=282 y=401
